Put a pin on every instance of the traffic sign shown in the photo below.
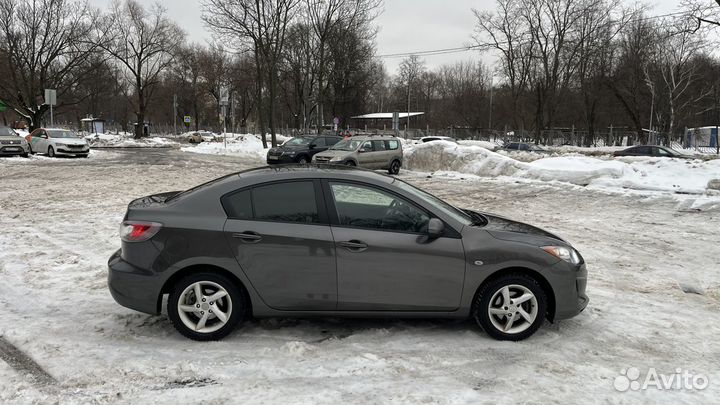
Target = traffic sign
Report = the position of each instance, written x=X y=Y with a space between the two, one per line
x=187 y=119
x=50 y=97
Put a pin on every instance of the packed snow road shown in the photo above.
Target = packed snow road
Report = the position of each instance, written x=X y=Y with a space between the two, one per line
x=654 y=287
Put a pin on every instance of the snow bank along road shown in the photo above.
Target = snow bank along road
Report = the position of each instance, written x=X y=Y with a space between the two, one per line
x=654 y=287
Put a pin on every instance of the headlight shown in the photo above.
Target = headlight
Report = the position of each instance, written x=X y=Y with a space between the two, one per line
x=23 y=142
x=60 y=144
x=570 y=255
x=336 y=159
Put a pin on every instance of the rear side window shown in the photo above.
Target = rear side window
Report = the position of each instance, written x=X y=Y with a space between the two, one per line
x=378 y=145
x=285 y=202
x=392 y=145
x=278 y=202
x=331 y=141
x=319 y=142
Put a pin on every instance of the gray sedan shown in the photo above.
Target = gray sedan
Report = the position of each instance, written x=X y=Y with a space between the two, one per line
x=299 y=241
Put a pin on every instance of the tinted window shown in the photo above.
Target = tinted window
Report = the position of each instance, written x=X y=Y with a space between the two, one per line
x=285 y=202
x=524 y=146
x=367 y=146
x=378 y=145
x=512 y=146
x=430 y=139
x=238 y=205
x=392 y=145
x=366 y=207
x=331 y=141
x=319 y=142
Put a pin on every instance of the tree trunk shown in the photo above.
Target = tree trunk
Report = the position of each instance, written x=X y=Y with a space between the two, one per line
x=271 y=105
x=259 y=77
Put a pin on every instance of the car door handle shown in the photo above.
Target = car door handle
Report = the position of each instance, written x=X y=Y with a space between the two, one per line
x=249 y=237
x=354 y=245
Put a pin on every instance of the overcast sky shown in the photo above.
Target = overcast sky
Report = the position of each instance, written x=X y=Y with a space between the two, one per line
x=405 y=25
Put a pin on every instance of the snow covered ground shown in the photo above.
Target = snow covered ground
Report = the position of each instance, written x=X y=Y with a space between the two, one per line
x=246 y=146
x=60 y=218
x=126 y=140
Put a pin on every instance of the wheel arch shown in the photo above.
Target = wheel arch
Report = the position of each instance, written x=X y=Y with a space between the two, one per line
x=197 y=268
x=544 y=284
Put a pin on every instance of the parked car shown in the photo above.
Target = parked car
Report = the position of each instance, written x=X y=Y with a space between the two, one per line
x=301 y=149
x=426 y=139
x=201 y=136
x=368 y=151
x=521 y=146
x=299 y=241
x=56 y=142
x=650 y=150
x=11 y=144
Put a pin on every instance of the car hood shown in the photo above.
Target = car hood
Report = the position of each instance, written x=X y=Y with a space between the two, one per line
x=333 y=152
x=507 y=229
x=70 y=141
x=11 y=138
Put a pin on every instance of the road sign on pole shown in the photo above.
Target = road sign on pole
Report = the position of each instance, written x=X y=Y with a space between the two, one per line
x=51 y=100
x=187 y=119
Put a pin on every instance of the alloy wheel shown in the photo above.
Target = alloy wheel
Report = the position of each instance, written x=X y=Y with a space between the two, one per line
x=204 y=306
x=513 y=309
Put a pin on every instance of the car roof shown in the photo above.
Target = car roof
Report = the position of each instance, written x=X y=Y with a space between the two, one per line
x=373 y=137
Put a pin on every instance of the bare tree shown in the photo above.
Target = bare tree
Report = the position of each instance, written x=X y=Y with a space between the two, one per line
x=259 y=26
x=143 y=42
x=43 y=44
x=409 y=70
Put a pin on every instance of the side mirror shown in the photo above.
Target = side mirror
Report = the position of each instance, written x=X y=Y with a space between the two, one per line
x=43 y=136
x=435 y=228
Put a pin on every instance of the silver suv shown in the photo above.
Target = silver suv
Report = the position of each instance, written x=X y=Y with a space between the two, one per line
x=368 y=151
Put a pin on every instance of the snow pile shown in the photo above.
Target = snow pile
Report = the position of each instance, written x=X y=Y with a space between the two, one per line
x=126 y=140
x=246 y=145
x=637 y=173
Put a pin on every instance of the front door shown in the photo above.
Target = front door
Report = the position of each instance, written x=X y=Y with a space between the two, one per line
x=385 y=261
x=284 y=244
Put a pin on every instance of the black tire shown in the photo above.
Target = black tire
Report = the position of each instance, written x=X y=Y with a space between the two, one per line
x=51 y=151
x=84 y=155
x=237 y=302
x=350 y=163
x=303 y=160
x=394 y=167
x=24 y=155
x=490 y=288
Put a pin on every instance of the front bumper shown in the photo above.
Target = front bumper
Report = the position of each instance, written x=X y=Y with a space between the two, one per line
x=133 y=287
x=14 y=149
x=72 y=151
x=282 y=159
x=570 y=295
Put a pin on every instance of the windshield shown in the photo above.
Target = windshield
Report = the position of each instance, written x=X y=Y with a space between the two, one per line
x=347 y=144
x=446 y=208
x=297 y=142
x=5 y=131
x=58 y=133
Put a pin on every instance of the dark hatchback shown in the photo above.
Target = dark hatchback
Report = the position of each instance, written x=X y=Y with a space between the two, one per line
x=300 y=149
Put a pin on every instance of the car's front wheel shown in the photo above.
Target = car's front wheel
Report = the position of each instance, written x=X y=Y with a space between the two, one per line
x=205 y=306
x=511 y=307
x=51 y=151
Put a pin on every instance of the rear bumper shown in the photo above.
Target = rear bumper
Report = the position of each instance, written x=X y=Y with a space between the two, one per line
x=133 y=287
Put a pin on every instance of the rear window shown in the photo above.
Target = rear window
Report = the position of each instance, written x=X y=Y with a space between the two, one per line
x=378 y=145
x=392 y=145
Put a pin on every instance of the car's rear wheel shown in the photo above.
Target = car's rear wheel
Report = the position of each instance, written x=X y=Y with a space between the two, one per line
x=51 y=151
x=394 y=167
x=205 y=306
x=511 y=307
x=303 y=160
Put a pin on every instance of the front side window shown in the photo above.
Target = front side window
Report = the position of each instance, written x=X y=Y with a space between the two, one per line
x=367 y=207
x=367 y=146
x=331 y=141
x=319 y=142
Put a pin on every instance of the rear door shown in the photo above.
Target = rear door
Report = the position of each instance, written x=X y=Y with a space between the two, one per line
x=281 y=238
x=385 y=261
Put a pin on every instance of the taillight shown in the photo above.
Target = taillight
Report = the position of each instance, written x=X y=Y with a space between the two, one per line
x=138 y=231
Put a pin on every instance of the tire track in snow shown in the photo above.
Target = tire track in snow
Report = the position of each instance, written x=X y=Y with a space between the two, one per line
x=25 y=365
